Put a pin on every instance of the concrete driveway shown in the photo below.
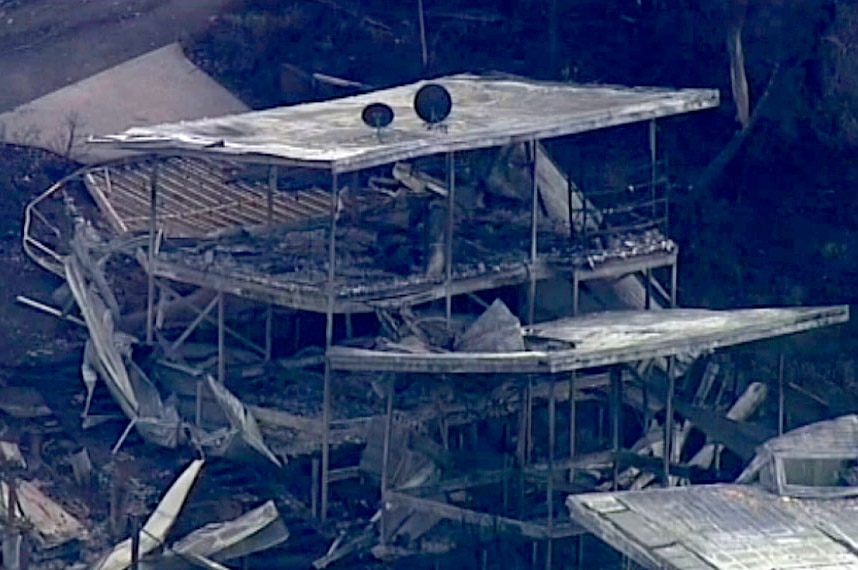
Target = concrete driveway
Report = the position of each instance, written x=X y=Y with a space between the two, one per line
x=48 y=44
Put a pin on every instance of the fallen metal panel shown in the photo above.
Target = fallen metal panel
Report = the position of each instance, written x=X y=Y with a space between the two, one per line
x=51 y=524
x=487 y=111
x=104 y=357
x=241 y=420
x=255 y=531
x=711 y=527
x=102 y=347
x=154 y=532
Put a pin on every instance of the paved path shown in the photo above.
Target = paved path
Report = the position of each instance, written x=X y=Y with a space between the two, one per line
x=48 y=44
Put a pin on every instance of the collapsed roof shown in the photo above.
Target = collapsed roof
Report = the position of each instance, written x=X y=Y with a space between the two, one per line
x=487 y=111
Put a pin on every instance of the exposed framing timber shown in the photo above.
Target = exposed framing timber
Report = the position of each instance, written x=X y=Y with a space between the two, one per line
x=201 y=316
x=165 y=288
x=313 y=298
x=499 y=524
x=633 y=265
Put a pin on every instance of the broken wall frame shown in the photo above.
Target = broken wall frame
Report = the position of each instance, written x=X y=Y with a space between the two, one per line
x=418 y=498
x=702 y=341
x=151 y=264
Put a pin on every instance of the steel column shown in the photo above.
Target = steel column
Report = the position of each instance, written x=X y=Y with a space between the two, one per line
x=451 y=210
x=385 y=458
x=153 y=230
x=221 y=345
x=329 y=338
x=668 y=421
x=534 y=220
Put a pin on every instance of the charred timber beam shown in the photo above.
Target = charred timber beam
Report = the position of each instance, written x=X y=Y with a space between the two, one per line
x=470 y=480
x=201 y=316
x=312 y=297
x=616 y=404
x=461 y=286
x=299 y=297
x=216 y=300
x=625 y=459
x=739 y=436
x=499 y=524
x=626 y=266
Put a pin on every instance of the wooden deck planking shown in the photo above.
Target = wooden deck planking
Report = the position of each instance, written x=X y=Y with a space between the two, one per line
x=194 y=200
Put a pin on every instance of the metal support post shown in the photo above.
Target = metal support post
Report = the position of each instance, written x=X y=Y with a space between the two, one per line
x=648 y=290
x=314 y=487
x=269 y=329
x=534 y=220
x=668 y=421
x=153 y=230
x=653 y=157
x=269 y=311
x=451 y=216
x=781 y=395
x=552 y=421
x=616 y=417
x=135 y=542
x=385 y=458
x=221 y=345
x=329 y=338
x=673 y=279
x=576 y=285
x=573 y=418
x=529 y=435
